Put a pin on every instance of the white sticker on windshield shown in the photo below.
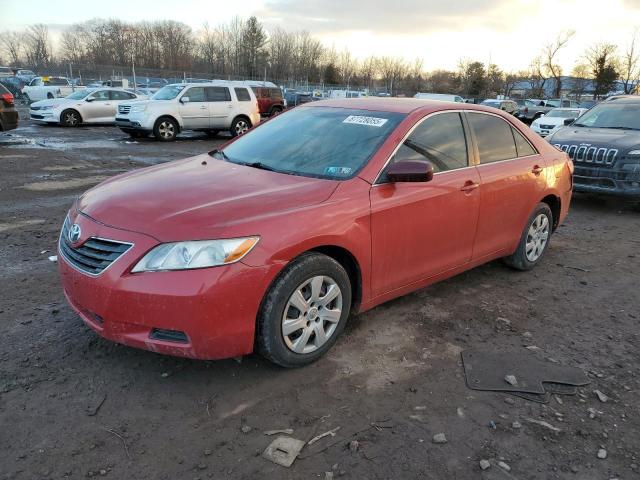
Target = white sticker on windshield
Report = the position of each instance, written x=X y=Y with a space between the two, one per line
x=338 y=171
x=362 y=120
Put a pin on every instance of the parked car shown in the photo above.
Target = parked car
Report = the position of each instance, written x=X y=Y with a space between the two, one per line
x=554 y=120
x=83 y=106
x=25 y=75
x=562 y=103
x=6 y=72
x=293 y=98
x=508 y=106
x=270 y=99
x=8 y=112
x=604 y=144
x=532 y=110
x=41 y=88
x=439 y=96
x=276 y=238
x=209 y=107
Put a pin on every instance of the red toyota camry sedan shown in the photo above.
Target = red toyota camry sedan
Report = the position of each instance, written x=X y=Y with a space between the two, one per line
x=270 y=243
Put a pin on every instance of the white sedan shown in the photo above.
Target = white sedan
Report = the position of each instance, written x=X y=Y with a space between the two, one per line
x=84 y=106
x=554 y=120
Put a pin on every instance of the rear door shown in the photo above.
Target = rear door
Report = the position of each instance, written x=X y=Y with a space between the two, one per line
x=511 y=173
x=421 y=229
x=220 y=107
x=195 y=112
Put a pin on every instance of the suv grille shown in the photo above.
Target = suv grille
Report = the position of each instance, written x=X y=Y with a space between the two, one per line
x=590 y=154
x=94 y=255
x=124 y=109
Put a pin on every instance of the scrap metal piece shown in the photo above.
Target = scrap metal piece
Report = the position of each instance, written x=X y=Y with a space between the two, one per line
x=283 y=450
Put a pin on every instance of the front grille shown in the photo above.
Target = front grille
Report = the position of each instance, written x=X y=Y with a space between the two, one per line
x=37 y=117
x=547 y=127
x=94 y=255
x=35 y=108
x=124 y=109
x=590 y=154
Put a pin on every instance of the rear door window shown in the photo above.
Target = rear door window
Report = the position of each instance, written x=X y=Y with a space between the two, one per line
x=218 y=94
x=276 y=93
x=493 y=136
x=242 y=94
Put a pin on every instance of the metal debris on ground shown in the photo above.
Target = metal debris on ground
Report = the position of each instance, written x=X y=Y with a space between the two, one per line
x=283 y=450
x=286 y=431
x=322 y=435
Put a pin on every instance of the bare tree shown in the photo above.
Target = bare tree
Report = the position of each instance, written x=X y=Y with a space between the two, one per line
x=12 y=43
x=630 y=65
x=37 y=45
x=550 y=61
x=601 y=59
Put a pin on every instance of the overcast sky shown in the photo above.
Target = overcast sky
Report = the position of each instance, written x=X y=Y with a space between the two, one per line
x=509 y=32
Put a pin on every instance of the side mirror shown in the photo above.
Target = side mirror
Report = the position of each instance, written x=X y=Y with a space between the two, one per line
x=184 y=100
x=410 y=171
x=90 y=99
x=569 y=121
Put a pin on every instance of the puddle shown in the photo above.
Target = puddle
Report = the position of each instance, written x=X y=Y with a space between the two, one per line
x=63 y=184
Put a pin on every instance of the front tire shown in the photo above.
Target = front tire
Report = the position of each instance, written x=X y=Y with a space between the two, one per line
x=165 y=129
x=239 y=126
x=304 y=311
x=70 y=118
x=534 y=241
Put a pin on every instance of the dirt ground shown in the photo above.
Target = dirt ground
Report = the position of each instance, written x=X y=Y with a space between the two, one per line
x=75 y=406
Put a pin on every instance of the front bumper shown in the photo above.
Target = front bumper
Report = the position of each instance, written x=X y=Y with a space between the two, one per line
x=47 y=116
x=606 y=180
x=212 y=307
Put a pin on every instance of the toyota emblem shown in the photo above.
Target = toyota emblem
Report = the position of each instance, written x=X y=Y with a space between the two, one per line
x=74 y=233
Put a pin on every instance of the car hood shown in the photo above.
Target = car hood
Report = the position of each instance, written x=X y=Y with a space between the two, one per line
x=597 y=137
x=51 y=102
x=555 y=121
x=199 y=198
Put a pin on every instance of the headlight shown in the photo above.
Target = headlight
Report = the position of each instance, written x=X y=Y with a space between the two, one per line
x=138 y=108
x=47 y=107
x=196 y=254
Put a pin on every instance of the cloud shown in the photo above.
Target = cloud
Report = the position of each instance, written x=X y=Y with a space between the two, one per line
x=397 y=17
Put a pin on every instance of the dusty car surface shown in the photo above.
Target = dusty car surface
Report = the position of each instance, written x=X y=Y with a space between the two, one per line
x=273 y=240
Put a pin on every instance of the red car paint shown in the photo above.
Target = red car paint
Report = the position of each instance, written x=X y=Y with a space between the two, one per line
x=471 y=216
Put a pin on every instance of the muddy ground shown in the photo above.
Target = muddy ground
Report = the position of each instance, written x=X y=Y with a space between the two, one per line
x=75 y=406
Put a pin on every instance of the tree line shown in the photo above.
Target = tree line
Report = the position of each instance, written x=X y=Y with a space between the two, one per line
x=243 y=49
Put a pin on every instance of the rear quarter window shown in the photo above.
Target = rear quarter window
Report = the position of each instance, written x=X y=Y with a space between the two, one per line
x=242 y=94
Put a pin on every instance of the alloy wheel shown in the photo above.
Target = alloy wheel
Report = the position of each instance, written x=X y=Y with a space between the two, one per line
x=312 y=314
x=166 y=129
x=241 y=127
x=537 y=237
x=71 y=119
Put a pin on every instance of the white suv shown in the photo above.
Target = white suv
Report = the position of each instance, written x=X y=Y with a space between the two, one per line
x=209 y=107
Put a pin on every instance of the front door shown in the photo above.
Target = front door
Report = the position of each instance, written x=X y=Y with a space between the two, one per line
x=421 y=229
x=195 y=111
x=97 y=107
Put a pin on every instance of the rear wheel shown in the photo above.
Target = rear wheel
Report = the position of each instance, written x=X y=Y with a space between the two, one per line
x=70 y=118
x=304 y=311
x=534 y=241
x=165 y=129
x=239 y=126
x=276 y=110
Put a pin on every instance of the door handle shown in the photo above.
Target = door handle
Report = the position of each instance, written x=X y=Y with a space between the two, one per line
x=469 y=186
x=537 y=170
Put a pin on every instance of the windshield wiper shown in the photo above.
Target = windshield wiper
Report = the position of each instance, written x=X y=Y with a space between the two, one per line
x=578 y=125
x=221 y=153
x=622 y=128
x=258 y=165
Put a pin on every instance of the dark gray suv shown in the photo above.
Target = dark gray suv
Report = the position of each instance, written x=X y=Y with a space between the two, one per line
x=604 y=145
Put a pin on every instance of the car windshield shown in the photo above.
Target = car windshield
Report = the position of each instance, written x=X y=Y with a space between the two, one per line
x=492 y=103
x=168 y=93
x=79 y=95
x=618 y=115
x=563 y=113
x=321 y=142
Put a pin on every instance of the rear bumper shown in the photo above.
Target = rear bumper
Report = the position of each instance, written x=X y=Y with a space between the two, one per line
x=212 y=307
x=607 y=180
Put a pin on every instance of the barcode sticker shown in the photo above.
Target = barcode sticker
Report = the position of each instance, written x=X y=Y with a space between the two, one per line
x=362 y=120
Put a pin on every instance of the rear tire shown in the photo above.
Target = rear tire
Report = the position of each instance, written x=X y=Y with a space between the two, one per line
x=293 y=337
x=239 y=126
x=534 y=240
x=165 y=129
x=277 y=110
x=70 y=118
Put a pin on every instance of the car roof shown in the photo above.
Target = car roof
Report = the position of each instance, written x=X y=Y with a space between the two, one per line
x=395 y=105
x=624 y=98
x=212 y=83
